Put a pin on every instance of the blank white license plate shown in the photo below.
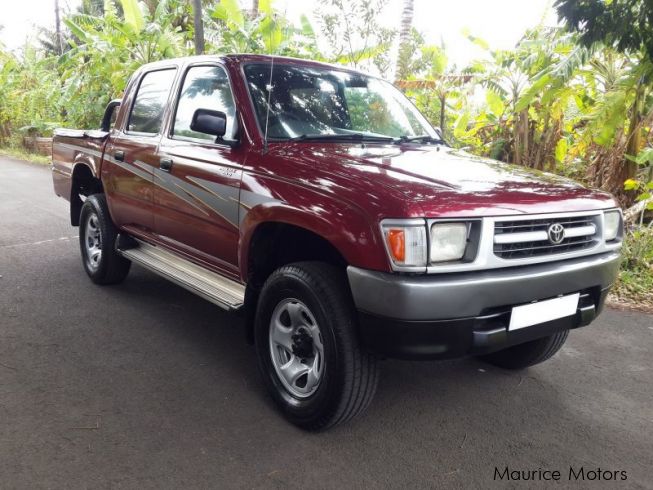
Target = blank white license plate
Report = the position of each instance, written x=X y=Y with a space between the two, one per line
x=543 y=311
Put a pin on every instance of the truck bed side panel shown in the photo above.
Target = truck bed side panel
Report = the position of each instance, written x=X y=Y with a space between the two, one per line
x=71 y=148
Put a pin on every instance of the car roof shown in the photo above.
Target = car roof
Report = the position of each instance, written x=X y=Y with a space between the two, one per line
x=248 y=58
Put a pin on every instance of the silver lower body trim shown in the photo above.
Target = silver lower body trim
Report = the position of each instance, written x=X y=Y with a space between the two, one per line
x=468 y=294
x=213 y=287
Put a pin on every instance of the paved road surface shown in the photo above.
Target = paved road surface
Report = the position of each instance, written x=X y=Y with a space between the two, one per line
x=143 y=385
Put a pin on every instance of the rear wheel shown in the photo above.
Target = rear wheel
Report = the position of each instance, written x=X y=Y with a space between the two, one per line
x=528 y=354
x=307 y=347
x=97 y=240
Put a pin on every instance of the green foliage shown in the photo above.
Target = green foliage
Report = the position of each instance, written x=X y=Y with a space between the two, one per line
x=133 y=14
x=107 y=40
x=230 y=29
x=643 y=186
x=352 y=30
x=549 y=103
x=106 y=50
x=553 y=102
x=636 y=277
x=626 y=25
x=26 y=95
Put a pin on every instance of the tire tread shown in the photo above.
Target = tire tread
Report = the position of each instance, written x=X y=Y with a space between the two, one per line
x=116 y=267
x=361 y=368
x=528 y=354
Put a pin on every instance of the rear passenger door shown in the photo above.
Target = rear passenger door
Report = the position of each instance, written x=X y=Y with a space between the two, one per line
x=198 y=180
x=130 y=155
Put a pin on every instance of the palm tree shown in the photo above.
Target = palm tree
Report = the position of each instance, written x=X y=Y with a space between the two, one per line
x=199 y=26
x=92 y=7
x=404 y=38
x=57 y=27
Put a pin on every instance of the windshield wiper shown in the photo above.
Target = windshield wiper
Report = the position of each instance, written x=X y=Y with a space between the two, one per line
x=424 y=138
x=342 y=137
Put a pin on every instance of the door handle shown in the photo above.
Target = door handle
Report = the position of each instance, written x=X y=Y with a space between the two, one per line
x=165 y=164
x=119 y=155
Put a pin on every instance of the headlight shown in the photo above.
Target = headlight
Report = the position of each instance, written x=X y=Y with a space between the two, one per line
x=611 y=225
x=405 y=241
x=448 y=241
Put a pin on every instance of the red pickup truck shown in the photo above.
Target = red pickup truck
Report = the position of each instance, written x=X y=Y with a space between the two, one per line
x=321 y=203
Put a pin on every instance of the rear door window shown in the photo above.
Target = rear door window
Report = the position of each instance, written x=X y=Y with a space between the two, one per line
x=146 y=116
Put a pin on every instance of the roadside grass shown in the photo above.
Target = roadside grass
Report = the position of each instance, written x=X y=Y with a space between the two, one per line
x=22 y=154
x=634 y=288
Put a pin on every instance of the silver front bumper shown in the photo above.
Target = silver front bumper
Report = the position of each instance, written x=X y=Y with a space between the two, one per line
x=469 y=294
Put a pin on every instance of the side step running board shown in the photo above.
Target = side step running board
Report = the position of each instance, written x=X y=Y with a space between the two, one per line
x=213 y=287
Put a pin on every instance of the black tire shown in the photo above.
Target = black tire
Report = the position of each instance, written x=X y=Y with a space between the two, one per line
x=349 y=375
x=528 y=354
x=108 y=267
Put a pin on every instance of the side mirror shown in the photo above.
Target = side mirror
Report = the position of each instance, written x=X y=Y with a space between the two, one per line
x=108 y=114
x=209 y=122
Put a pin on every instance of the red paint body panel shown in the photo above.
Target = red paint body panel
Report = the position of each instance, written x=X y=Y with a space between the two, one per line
x=75 y=147
x=211 y=202
x=130 y=195
x=207 y=225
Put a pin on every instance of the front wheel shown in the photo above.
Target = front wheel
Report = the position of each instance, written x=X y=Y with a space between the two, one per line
x=97 y=240
x=528 y=354
x=307 y=347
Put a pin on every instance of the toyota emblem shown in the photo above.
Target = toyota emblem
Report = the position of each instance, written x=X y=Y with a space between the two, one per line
x=556 y=233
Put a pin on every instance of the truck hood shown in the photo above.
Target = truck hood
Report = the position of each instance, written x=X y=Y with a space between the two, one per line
x=444 y=182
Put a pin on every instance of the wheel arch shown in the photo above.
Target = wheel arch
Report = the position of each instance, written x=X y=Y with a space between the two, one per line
x=84 y=183
x=273 y=244
x=274 y=234
x=344 y=231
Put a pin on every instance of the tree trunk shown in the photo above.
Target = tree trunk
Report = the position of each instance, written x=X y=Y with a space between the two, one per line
x=618 y=168
x=404 y=38
x=634 y=133
x=525 y=130
x=443 y=101
x=199 y=26
x=254 y=12
x=540 y=151
x=520 y=137
x=57 y=27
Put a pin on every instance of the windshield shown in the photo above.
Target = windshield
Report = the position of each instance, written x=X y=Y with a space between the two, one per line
x=309 y=101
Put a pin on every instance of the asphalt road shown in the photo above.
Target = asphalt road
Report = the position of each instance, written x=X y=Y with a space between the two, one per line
x=144 y=385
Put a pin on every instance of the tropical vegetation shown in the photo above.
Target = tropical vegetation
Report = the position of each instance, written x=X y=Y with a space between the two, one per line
x=575 y=99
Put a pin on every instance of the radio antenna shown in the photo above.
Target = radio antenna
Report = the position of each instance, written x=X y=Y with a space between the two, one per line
x=267 y=113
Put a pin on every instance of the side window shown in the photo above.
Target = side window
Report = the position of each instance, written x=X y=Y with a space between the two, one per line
x=205 y=87
x=147 y=112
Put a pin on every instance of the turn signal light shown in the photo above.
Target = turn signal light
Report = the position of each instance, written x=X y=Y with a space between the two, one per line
x=406 y=245
x=397 y=243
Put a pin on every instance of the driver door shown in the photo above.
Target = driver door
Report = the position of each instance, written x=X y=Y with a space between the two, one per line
x=197 y=183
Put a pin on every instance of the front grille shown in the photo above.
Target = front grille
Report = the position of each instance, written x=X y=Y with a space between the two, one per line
x=529 y=238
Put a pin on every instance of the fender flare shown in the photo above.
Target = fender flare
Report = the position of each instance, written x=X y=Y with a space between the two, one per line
x=360 y=249
x=75 y=201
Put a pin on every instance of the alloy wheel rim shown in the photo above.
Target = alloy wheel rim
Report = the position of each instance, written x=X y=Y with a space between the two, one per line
x=296 y=348
x=93 y=241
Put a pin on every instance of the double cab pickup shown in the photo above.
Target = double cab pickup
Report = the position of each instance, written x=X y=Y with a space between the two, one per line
x=320 y=202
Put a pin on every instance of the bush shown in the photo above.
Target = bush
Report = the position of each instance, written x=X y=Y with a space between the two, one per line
x=636 y=277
